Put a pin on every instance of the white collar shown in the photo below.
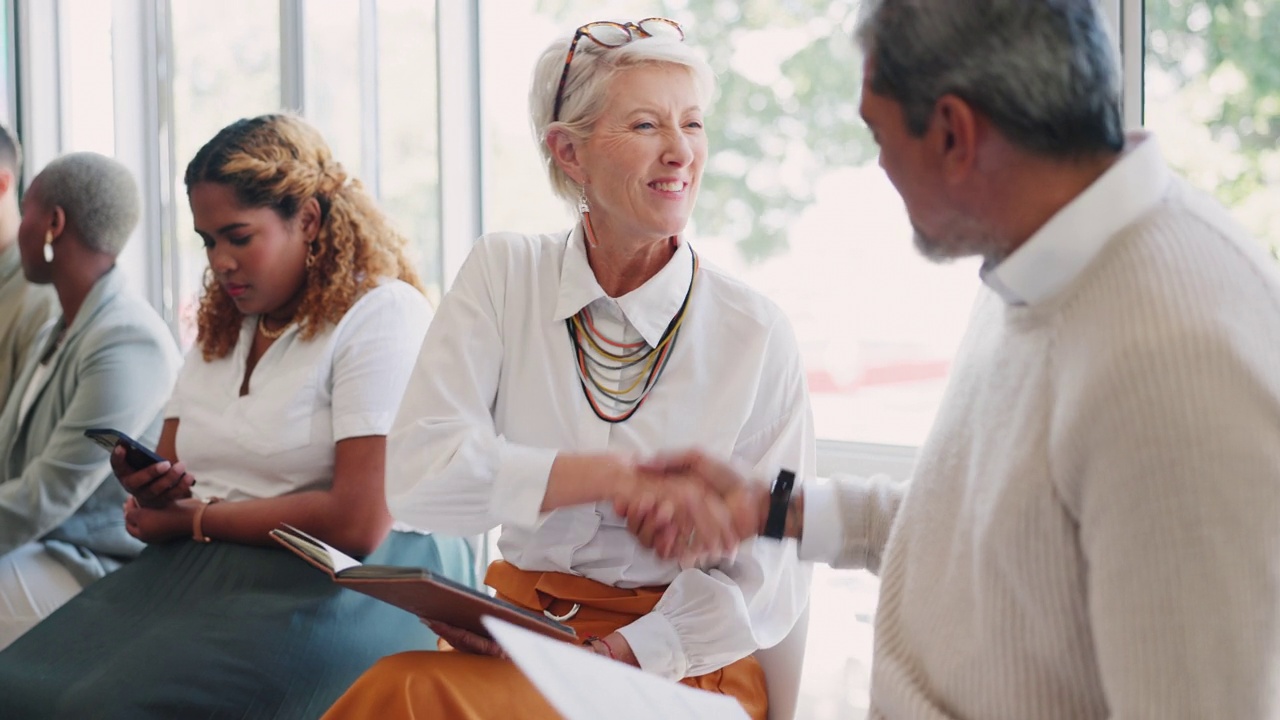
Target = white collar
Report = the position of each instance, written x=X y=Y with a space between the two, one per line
x=1065 y=245
x=649 y=308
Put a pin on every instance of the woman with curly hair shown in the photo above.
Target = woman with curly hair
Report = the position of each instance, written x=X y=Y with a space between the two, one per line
x=308 y=330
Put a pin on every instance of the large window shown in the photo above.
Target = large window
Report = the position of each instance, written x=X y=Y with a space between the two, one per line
x=7 y=85
x=370 y=86
x=334 y=101
x=226 y=65
x=408 y=128
x=793 y=201
x=87 y=102
x=1212 y=95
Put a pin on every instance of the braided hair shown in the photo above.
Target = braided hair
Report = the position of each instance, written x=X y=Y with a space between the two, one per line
x=278 y=161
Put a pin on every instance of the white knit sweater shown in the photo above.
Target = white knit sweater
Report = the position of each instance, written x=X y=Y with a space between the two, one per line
x=1093 y=529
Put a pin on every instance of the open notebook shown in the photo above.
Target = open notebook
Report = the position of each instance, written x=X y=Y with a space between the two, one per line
x=418 y=590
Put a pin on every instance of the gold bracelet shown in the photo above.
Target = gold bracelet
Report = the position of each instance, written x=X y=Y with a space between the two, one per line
x=197 y=532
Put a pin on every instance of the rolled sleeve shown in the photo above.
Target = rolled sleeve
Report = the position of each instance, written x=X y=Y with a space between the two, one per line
x=456 y=472
x=521 y=484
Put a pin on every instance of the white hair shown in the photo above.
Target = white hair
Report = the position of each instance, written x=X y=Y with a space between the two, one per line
x=98 y=196
x=590 y=74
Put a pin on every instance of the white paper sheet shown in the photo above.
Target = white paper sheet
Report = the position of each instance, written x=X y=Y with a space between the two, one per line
x=581 y=685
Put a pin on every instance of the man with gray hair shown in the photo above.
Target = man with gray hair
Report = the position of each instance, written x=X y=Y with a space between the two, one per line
x=24 y=307
x=1093 y=526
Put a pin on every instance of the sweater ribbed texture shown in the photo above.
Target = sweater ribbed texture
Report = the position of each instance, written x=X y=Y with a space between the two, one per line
x=1093 y=529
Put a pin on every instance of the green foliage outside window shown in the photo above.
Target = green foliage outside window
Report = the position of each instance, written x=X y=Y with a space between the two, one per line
x=1221 y=55
x=771 y=134
x=773 y=131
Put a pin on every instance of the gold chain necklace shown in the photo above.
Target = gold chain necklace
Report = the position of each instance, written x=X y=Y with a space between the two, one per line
x=271 y=334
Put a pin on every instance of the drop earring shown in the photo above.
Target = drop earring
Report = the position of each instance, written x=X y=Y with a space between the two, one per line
x=585 y=209
x=48 y=246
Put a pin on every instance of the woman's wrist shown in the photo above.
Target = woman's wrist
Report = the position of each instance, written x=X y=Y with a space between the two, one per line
x=613 y=646
x=199 y=519
x=585 y=478
x=625 y=478
x=178 y=516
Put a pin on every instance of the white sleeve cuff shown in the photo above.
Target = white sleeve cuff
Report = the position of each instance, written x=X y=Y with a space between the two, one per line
x=656 y=645
x=823 y=531
x=362 y=425
x=521 y=484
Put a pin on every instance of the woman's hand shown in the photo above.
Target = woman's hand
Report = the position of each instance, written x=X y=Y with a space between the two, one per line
x=154 y=487
x=455 y=638
x=159 y=525
x=613 y=646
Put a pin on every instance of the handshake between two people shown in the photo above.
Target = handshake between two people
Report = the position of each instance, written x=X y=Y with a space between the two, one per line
x=693 y=507
x=686 y=505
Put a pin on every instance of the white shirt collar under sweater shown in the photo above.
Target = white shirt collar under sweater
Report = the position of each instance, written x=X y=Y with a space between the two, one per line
x=1065 y=245
x=649 y=308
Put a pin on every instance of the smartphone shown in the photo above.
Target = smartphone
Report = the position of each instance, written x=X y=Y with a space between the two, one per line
x=135 y=453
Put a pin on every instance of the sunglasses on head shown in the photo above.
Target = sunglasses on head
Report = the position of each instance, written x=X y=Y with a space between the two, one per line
x=608 y=34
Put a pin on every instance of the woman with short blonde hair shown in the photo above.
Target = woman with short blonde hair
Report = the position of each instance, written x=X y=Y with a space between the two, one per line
x=558 y=360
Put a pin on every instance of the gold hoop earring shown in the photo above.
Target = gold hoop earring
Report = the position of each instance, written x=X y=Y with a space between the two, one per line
x=48 y=246
x=311 y=256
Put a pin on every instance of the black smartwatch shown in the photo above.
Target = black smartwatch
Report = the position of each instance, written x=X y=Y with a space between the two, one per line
x=775 y=525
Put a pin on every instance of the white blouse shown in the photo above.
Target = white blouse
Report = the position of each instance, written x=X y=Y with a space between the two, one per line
x=304 y=396
x=496 y=395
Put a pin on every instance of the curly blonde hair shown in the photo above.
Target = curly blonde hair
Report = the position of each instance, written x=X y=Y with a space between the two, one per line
x=279 y=161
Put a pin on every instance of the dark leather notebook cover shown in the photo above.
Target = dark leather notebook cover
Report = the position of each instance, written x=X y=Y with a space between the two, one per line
x=419 y=591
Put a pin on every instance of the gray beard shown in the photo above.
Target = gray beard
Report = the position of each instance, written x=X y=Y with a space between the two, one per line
x=931 y=248
x=967 y=241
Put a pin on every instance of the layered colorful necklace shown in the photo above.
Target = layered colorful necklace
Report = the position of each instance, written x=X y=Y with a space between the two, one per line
x=600 y=358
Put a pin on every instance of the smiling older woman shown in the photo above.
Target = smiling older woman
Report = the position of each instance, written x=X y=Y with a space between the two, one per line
x=556 y=361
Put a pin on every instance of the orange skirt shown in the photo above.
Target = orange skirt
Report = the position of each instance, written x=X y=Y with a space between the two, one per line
x=424 y=684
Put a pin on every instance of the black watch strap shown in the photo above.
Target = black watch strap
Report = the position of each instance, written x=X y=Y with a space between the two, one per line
x=775 y=525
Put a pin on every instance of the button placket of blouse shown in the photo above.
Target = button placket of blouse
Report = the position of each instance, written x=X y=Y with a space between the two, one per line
x=596 y=434
x=609 y=322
